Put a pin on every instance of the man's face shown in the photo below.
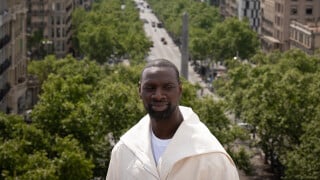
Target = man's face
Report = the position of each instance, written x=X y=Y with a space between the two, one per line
x=160 y=91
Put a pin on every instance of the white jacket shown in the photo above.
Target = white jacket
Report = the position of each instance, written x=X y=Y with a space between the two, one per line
x=192 y=154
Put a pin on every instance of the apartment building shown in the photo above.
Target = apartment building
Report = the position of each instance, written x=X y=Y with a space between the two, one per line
x=13 y=61
x=250 y=10
x=277 y=17
x=305 y=36
x=243 y=9
x=51 y=21
x=230 y=8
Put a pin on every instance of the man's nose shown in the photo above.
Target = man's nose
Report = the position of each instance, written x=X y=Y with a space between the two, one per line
x=158 y=93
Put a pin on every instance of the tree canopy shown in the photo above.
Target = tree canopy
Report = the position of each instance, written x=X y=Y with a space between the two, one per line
x=278 y=96
x=110 y=33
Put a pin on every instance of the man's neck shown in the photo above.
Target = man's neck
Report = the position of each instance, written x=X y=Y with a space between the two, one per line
x=166 y=128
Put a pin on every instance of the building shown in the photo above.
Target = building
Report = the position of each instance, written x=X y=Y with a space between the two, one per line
x=49 y=25
x=13 y=61
x=305 y=37
x=250 y=10
x=243 y=9
x=230 y=8
x=276 y=18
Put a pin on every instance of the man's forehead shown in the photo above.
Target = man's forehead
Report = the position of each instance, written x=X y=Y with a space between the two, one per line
x=164 y=73
x=156 y=69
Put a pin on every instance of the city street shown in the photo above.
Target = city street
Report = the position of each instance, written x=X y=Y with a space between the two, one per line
x=166 y=50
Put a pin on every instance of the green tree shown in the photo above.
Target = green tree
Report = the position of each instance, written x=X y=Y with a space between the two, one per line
x=232 y=38
x=109 y=33
x=277 y=97
x=26 y=152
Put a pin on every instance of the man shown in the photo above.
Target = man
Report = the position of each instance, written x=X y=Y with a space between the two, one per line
x=170 y=142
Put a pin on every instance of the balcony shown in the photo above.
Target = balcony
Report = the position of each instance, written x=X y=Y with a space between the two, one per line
x=5 y=65
x=4 y=90
x=4 y=41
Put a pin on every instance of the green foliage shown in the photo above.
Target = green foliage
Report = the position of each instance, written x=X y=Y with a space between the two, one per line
x=279 y=96
x=25 y=153
x=71 y=163
x=108 y=32
x=304 y=161
x=233 y=37
x=242 y=160
x=35 y=39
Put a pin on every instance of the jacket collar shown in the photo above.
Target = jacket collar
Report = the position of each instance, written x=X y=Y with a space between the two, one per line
x=191 y=138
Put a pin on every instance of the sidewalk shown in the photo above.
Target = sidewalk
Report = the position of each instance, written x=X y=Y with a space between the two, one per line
x=194 y=78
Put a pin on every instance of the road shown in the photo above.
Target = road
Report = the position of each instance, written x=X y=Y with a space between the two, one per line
x=167 y=51
x=170 y=50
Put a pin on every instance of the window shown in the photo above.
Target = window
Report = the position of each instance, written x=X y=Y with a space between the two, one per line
x=247 y=4
x=58 y=32
x=278 y=7
x=63 y=48
x=309 y=11
x=278 y=34
x=300 y=37
x=58 y=6
x=294 y=11
x=277 y=20
x=63 y=32
x=58 y=20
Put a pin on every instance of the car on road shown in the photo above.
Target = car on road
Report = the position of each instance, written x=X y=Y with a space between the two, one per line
x=163 y=40
x=153 y=24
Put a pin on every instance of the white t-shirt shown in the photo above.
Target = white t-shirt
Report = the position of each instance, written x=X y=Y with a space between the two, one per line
x=158 y=146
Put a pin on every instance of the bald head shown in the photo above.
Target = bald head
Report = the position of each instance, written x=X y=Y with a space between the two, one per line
x=163 y=63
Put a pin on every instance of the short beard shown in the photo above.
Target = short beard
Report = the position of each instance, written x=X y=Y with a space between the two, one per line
x=160 y=115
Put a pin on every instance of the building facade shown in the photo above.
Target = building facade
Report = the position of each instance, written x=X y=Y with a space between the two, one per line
x=230 y=8
x=305 y=37
x=13 y=61
x=50 y=20
x=277 y=16
x=250 y=10
x=243 y=9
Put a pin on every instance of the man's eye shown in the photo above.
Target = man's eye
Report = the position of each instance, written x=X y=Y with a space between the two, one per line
x=169 y=87
x=148 y=88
